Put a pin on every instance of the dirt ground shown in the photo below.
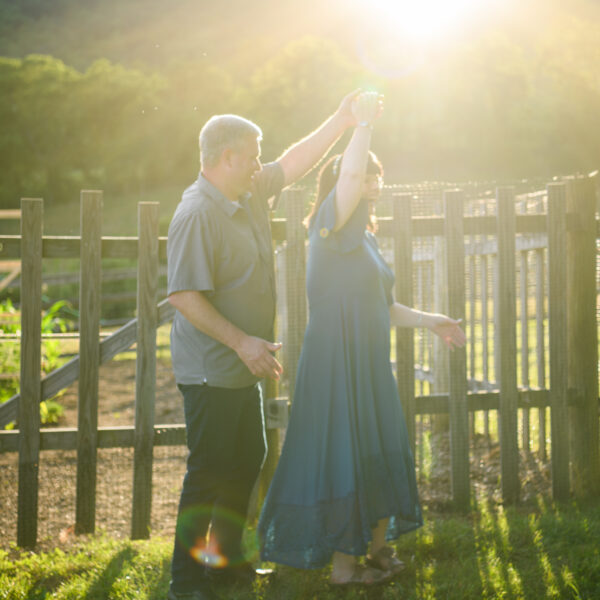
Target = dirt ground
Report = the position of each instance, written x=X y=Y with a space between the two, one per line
x=58 y=469
x=57 y=473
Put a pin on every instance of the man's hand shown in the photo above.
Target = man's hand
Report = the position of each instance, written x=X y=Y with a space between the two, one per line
x=256 y=354
x=344 y=112
x=347 y=108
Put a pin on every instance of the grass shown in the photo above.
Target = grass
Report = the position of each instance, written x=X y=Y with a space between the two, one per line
x=542 y=551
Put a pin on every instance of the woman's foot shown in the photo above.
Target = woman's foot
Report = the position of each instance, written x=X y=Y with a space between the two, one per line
x=359 y=575
x=385 y=559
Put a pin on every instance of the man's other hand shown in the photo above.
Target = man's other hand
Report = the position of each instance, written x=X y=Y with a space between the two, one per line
x=257 y=355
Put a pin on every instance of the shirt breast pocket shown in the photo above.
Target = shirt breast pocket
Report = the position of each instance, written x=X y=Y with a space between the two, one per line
x=238 y=265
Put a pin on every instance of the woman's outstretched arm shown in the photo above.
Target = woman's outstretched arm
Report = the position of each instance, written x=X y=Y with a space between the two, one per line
x=447 y=329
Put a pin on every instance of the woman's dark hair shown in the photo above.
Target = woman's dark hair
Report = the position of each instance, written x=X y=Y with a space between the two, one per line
x=328 y=176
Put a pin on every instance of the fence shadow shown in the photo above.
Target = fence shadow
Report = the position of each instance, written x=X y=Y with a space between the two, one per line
x=111 y=573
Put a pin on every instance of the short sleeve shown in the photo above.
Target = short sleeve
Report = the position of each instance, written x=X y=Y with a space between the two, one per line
x=190 y=254
x=346 y=239
x=268 y=183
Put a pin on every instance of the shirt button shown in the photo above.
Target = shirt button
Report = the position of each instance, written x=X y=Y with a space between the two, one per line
x=324 y=232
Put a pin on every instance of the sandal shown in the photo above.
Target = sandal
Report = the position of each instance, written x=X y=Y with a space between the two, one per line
x=385 y=559
x=363 y=576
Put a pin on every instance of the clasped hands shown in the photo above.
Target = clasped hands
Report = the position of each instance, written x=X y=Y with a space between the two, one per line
x=360 y=107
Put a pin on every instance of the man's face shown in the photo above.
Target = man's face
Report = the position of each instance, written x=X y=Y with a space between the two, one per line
x=245 y=162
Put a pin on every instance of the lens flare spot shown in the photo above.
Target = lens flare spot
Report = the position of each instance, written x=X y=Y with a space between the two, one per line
x=196 y=527
x=207 y=553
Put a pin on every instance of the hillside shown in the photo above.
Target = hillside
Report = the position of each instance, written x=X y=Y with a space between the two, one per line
x=119 y=88
x=154 y=33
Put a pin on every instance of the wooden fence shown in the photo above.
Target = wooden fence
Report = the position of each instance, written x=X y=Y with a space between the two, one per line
x=55 y=283
x=571 y=229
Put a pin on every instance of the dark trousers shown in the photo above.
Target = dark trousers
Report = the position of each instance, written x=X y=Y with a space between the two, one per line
x=226 y=442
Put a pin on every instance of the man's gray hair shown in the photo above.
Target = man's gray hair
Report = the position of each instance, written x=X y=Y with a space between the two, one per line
x=224 y=131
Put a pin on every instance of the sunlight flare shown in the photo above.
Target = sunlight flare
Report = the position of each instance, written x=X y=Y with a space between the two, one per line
x=398 y=37
x=428 y=19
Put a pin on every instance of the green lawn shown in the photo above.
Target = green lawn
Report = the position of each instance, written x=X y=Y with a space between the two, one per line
x=542 y=551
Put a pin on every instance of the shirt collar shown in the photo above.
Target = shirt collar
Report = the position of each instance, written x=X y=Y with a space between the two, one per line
x=208 y=189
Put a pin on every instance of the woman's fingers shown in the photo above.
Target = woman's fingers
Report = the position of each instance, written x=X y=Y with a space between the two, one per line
x=367 y=106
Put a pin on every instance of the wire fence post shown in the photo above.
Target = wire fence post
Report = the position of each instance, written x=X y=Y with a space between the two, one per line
x=507 y=346
x=405 y=337
x=457 y=383
x=557 y=303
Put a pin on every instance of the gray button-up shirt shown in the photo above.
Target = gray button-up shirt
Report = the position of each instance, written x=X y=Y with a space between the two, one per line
x=223 y=249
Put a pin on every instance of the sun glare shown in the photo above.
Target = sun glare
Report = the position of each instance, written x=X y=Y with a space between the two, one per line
x=394 y=38
x=424 y=20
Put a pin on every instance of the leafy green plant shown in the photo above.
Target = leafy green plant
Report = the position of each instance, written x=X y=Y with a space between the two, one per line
x=51 y=411
x=52 y=322
x=10 y=323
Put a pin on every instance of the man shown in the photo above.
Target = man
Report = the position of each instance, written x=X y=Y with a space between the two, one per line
x=221 y=282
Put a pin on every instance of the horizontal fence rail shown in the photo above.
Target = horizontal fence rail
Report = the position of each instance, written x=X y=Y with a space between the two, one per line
x=126 y=247
x=117 y=342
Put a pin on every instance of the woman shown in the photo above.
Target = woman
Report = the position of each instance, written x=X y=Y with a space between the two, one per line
x=346 y=476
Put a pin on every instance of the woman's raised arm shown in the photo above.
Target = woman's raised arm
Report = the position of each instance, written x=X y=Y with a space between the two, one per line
x=366 y=108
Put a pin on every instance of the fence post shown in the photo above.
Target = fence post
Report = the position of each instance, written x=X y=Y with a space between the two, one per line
x=405 y=345
x=540 y=345
x=583 y=335
x=31 y=340
x=457 y=385
x=89 y=357
x=524 y=277
x=507 y=346
x=272 y=458
x=145 y=377
x=293 y=202
x=295 y=294
x=295 y=279
x=441 y=365
x=485 y=324
x=472 y=319
x=557 y=301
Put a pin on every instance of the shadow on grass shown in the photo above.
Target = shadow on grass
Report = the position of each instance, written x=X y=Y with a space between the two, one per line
x=567 y=543
x=503 y=546
x=548 y=552
x=102 y=585
x=523 y=546
x=160 y=588
x=45 y=587
x=454 y=541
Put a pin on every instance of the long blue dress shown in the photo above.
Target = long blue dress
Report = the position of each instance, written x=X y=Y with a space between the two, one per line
x=346 y=461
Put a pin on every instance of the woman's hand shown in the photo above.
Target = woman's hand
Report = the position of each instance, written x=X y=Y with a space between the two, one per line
x=447 y=329
x=367 y=107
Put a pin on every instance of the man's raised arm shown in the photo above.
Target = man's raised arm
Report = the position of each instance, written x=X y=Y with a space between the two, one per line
x=302 y=156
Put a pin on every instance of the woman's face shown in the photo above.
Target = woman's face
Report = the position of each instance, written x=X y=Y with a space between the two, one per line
x=372 y=187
